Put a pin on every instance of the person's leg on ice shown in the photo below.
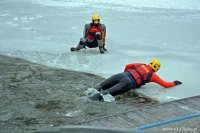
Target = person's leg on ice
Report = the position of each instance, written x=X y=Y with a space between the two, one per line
x=110 y=82
x=81 y=45
x=104 y=47
x=91 y=43
x=116 y=84
x=99 y=41
x=123 y=86
x=106 y=84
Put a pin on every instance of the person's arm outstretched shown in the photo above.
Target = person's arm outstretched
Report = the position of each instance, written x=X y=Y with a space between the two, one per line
x=155 y=78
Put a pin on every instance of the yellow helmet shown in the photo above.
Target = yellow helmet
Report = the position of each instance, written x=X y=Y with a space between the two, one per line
x=155 y=65
x=95 y=17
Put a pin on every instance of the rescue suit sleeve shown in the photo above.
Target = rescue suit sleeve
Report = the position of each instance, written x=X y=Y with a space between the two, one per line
x=86 y=28
x=155 y=78
x=130 y=66
x=103 y=26
x=103 y=34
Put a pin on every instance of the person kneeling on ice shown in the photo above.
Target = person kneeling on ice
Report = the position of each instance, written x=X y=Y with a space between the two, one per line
x=93 y=35
x=134 y=76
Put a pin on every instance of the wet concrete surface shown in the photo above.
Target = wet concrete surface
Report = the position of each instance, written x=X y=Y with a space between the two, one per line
x=34 y=96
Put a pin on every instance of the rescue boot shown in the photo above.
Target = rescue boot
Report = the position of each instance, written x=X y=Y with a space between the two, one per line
x=81 y=45
x=96 y=97
x=101 y=50
x=104 y=48
x=74 y=49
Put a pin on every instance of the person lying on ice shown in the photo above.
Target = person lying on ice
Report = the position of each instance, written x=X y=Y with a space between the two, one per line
x=134 y=76
x=93 y=35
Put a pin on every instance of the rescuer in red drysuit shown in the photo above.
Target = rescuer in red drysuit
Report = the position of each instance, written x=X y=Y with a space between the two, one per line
x=134 y=76
x=93 y=35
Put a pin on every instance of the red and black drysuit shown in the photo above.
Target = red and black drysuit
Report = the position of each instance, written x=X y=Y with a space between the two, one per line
x=134 y=76
x=93 y=36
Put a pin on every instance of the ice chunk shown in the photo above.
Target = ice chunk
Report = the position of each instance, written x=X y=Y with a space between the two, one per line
x=91 y=91
x=73 y=113
x=108 y=98
x=85 y=99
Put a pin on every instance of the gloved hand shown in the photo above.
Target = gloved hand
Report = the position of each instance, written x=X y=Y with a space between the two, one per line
x=177 y=82
x=98 y=35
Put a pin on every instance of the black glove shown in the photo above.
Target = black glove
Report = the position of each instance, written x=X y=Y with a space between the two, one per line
x=177 y=82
